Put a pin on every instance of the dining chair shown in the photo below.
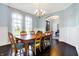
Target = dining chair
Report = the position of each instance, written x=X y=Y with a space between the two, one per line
x=15 y=46
x=39 y=32
x=47 y=39
x=23 y=33
x=37 y=43
x=32 y=32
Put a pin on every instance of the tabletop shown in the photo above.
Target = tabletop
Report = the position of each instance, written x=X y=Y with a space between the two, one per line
x=30 y=37
x=26 y=37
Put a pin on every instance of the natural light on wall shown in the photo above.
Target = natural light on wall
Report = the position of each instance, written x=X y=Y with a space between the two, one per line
x=16 y=23
x=28 y=24
x=54 y=17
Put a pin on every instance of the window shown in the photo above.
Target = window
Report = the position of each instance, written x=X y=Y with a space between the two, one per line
x=28 y=24
x=16 y=23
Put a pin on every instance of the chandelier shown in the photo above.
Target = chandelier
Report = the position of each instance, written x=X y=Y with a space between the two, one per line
x=39 y=11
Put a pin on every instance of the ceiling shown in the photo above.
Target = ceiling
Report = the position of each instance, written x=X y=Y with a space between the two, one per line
x=31 y=7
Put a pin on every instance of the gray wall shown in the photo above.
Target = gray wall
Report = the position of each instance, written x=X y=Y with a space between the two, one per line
x=6 y=22
x=3 y=15
x=3 y=24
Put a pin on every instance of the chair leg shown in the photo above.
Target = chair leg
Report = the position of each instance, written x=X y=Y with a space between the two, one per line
x=15 y=51
x=44 y=45
x=40 y=48
x=26 y=50
x=20 y=52
x=35 y=50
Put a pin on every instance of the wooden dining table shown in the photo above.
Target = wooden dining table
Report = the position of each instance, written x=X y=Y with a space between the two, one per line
x=27 y=38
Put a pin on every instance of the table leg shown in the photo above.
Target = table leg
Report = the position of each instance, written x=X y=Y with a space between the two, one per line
x=27 y=49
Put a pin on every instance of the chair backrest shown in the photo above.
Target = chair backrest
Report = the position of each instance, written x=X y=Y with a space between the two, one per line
x=38 y=39
x=39 y=32
x=23 y=33
x=32 y=32
x=11 y=38
x=47 y=35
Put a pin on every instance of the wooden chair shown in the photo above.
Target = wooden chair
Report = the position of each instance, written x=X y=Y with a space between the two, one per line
x=47 y=39
x=32 y=32
x=15 y=46
x=37 y=43
x=23 y=33
x=39 y=32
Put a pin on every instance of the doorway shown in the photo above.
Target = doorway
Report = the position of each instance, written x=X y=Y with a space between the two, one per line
x=47 y=25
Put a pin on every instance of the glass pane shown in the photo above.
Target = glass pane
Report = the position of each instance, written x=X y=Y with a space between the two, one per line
x=28 y=23
x=16 y=23
x=17 y=15
x=14 y=15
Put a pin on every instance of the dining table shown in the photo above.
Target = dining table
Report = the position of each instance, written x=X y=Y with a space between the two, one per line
x=29 y=37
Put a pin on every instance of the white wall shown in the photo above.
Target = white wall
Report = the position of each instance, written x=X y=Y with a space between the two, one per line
x=3 y=36
x=70 y=36
x=69 y=29
x=54 y=25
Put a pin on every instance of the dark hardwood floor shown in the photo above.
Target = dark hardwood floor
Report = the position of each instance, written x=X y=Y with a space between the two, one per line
x=4 y=50
x=55 y=49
